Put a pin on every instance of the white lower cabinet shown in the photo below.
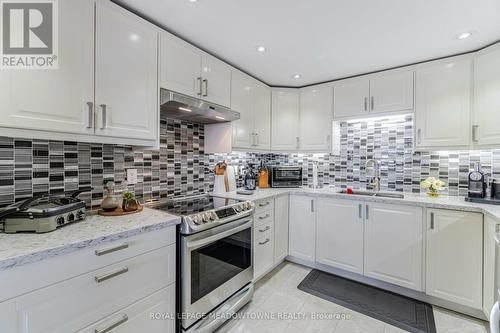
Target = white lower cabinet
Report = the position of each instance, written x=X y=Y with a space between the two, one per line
x=152 y=314
x=280 y=228
x=263 y=237
x=393 y=244
x=302 y=224
x=339 y=236
x=455 y=256
x=491 y=227
x=121 y=294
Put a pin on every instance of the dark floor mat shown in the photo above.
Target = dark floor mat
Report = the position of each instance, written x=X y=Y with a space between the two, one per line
x=400 y=311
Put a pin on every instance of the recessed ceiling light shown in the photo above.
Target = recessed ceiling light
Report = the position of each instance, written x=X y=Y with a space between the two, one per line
x=296 y=76
x=464 y=35
x=193 y=0
x=261 y=49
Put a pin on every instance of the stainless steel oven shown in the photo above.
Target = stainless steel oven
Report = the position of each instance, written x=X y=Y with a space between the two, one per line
x=286 y=176
x=216 y=264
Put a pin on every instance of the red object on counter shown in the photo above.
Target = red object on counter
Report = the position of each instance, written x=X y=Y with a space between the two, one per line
x=348 y=190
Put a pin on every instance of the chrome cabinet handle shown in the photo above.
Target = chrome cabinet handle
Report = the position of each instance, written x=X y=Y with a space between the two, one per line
x=257 y=137
x=432 y=221
x=419 y=135
x=360 y=211
x=90 y=123
x=206 y=88
x=263 y=204
x=264 y=217
x=298 y=142
x=367 y=214
x=372 y=102
x=475 y=129
x=312 y=206
x=265 y=229
x=366 y=103
x=111 y=249
x=200 y=86
x=104 y=116
x=264 y=242
x=111 y=326
x=111 y=275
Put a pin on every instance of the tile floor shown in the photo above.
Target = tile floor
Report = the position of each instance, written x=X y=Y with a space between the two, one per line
x=277 y=294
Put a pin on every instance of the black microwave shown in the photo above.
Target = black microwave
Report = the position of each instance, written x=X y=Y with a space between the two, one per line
x=285 y=176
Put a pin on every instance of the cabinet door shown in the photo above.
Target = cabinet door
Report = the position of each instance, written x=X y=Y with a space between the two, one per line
x=180 y=66
x=138 y=316
x=263 y=256
x=126 y=74
x=443 y=103
x=393 y=244
x=486 y=96
x=391 y=91
x=280 y=228
x=491 y=227
x=262 y=116
x=8 y=317
x=302 y=228
x=285 y=120
x=316 y=116
x=455 y=256
x=56 y=100
x=350 y=98
x=216 y=84
x=243 y=102
x=339 y=237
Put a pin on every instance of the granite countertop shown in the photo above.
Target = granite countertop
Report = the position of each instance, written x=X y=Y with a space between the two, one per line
x=24 y=248
x=422 y=200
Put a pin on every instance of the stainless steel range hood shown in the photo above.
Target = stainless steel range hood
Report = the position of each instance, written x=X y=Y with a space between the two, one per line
x=178 y=106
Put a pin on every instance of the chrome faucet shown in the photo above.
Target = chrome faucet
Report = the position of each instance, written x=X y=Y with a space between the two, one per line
x=375 y=182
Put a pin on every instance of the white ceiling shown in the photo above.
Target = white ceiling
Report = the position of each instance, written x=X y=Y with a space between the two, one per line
x=325 y=39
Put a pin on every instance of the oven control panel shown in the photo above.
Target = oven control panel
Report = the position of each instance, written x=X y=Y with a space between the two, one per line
x=212 y=218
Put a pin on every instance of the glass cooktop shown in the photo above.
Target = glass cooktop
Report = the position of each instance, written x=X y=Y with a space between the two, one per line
x=193 y=205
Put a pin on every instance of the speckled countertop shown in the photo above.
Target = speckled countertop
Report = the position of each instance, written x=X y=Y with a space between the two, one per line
x=20 y=249
x=422 y=200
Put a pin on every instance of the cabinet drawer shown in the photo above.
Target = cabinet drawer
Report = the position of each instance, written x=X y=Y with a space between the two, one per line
x=263 y=230
x=76 y=303
x=263 y=254
x=137 y=317
x=263 y=218
x=19 y=280
x=264 y=205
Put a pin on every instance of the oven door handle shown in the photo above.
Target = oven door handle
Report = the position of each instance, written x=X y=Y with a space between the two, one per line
x=190 y=245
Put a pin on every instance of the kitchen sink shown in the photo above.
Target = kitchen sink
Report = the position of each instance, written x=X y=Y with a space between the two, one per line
x=374 y=194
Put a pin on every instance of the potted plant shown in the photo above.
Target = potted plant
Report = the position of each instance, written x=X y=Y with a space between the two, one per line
x=129 y=202
x=433 y=186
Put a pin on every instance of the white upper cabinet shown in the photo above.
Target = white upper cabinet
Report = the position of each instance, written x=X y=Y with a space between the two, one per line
x=455 y=256
x=486 y=131
x=316 y=116
x=391 y=91
x=339 y=236
x=443 y=103
x=56 y=100
x=262 y=115
x=302 y=228
x=351 y=98
x=126 y=81
x=285 y=119
x=190 y=71
x=385 y=92
x=216 y=80
x=253 y=100
x=393 y=244
x=180 y=66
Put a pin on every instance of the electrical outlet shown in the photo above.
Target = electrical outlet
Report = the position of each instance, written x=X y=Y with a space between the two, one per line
x=132 y=176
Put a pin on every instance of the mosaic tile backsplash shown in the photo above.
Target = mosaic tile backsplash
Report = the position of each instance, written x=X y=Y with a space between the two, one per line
x=180 y=166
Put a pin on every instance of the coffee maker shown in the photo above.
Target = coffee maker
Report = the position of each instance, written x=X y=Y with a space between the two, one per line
x=250 y=178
